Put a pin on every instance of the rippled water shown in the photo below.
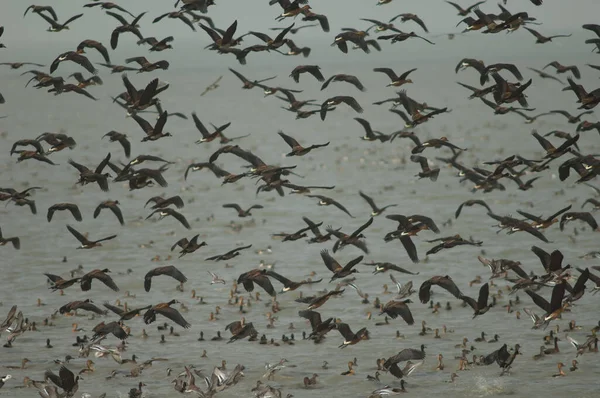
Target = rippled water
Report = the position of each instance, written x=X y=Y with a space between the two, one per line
x=380 y=170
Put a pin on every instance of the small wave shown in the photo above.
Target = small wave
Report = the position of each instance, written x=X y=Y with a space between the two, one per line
x=493 y=386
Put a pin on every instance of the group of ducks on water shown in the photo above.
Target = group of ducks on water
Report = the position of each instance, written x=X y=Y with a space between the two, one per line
x=567 y=288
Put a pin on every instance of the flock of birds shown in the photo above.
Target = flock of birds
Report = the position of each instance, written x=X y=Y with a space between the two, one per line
x=555 y=290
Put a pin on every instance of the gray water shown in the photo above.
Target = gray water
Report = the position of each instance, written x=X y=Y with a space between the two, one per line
x=380 y=170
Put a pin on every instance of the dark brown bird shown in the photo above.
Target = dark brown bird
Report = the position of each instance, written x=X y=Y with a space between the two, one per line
x=375 y=210
x=247 y=83
x=242 y=213
x=147 y=66
x=481 y=305
x=167 y=211
x=65 y=380
x=426 y=171
x=176 y=15
x=564 y=69
x=15 y=241
x=229 y=255
x=353 y=36
x=312 y=69
x=273 y=43
x=551 y=151
x=206 y=135
x=336 y=268
x=573 y=119
x=58 y=283
x=101 y=275
x=295 y=50
x=543 y=222
x=586 y=217
x=319 y=327
x=122 y=139
x=258 y=276
x=106 y=5
x=117 y=68
x=396 y=81
x=221 y=42
x=17 y=65
x=289 y=285
x=156 y=132
x=113 y=205
x=297 y=149
x=470 y=203
x=157 y=45
x=188 y=246
x=543 y=39
x=85 y=243
x=125 y=315
x=85 y=305
x=96 y=45
x=169 y=270
x=56 y=26
x=449 y=242
x=247 y=330
x=325 y=201
x=445 y=282
x=350 y=338
x=82 y=82
x=348 y=100
x=399 y=37
x=344 y=78
x=545 y=75
x=64 y=206
x=124 y=27
x=318 y=301
x=86 y=175
x=76 y=57
x=395 y=308
x=352 y=239
x=41 y=9
x=161 y=203
x=411 y=17
x=165 y=310
x=463 y=12
x=435 y=143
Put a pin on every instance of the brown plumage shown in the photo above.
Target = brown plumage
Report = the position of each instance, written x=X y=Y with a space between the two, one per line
x=15 y=241
x=348 y=100
x=297 y=149
x=85 y=243
x=336 y=268
x=64 y=206
x=395 y=308
x=167 y=211
x=314 y=70
x=96 y=45
x=101 y=275
x=344 y=78
x=85 y=305
x=169 y=270
x=165 y=310
x=444 y=282
x=58 y=283
x=540 y=39
x=102 y=329
x=113 y=205
x=161 y=203
x=258 y=276
x=241 y=213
